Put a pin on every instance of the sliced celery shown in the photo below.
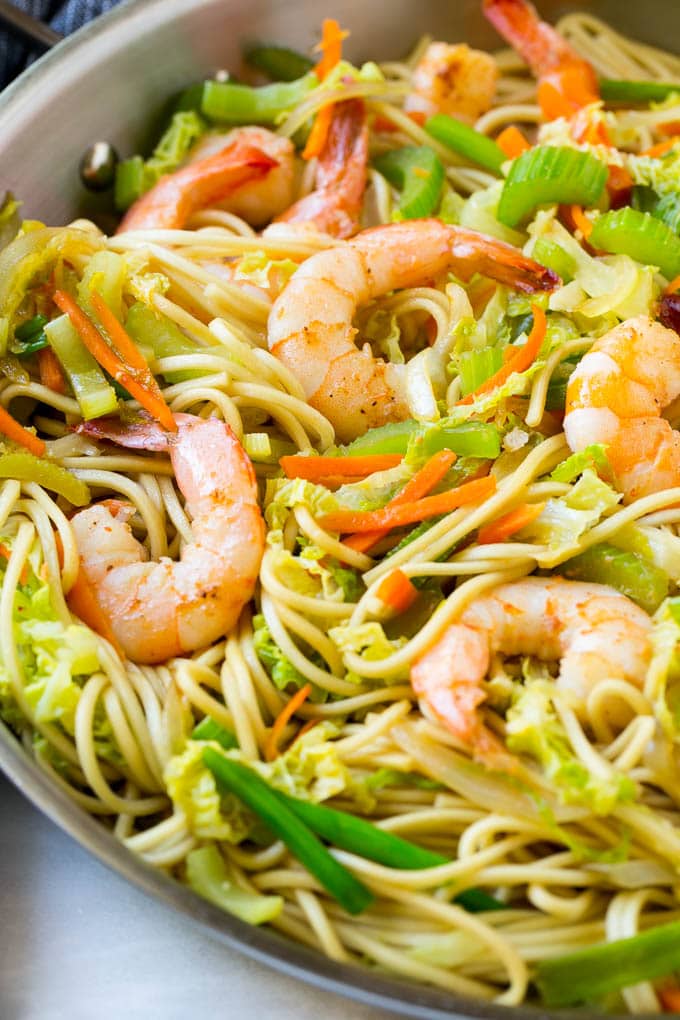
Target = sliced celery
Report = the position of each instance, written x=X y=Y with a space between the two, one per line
x=550 y=174
x=93 y=393
x=646 y=239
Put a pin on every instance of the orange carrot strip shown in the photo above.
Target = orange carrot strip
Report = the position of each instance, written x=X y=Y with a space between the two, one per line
x=670 y=998
x=108 y=358
x=512 y=142
x=11 y=428
x=619 y=181
x=420 y=485
x=132 y=357
x=312 y=468
x=50 y=371
x=272 y=746
x=319 y=133
x=661 y=148
x=524 y=357
x=408 y=513
x=673 y=286
x=397 y=591
x=508 y=524
x=330 y=46
x=581 y=221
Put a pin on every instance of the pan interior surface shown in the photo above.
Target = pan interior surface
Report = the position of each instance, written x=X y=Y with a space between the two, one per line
x=112 y=82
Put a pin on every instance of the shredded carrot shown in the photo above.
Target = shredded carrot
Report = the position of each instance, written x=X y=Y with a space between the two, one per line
x=281 y=721
x=309 y=725
x=619 y=182
x=109 y=359
x=314 y=468
x=581 y=221
x=673 y=286
x=397 y=591
x=420 y=485
x=512 y=142
x=418 y=117
x=330 y=46
x=565 y=90
x=392 y=516
x=524 y=357
x=510 y=523
x=661 y=148
x=131 y=356
x=50 y=371
x=670 y=998
x=670 y=127
x=319 y=133
x=11 y=428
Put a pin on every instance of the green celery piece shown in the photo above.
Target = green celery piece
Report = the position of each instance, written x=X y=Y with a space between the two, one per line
x=646 y=239
x=351 y=894
x=627 y=572
x=392 y=438
x=418 y=173
x=553 y=256
x=88 y=382
x=467 y=142
x=160 y=335
x=105 y=273
x=615 y=91
x=278 y=62
x=242 y=104
x=207 y=876
x=550 y=174
x=471 y=439
x=25 y=467
x=588 y=974
x=209 y=729
x=129 y=183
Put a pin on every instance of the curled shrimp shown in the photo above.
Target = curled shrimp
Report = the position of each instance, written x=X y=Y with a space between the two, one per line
x=334 y=207
x=616 y=396
x=455 y=80
x=161 y=609
x=244 y=157
x=593 y=630
x=566 y=82
x=310 y=325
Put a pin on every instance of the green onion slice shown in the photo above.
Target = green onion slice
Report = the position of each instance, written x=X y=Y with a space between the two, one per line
x=467 y=142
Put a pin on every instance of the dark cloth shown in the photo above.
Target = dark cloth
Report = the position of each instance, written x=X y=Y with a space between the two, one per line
x=64 y=16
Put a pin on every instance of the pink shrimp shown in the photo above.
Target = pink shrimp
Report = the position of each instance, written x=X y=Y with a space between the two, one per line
x=594 y=630
x=334 y=207
x=170 y=203
x=566 y=82
x=159 y=610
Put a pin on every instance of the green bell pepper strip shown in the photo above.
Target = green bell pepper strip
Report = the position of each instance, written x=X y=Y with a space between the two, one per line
x=467 y=142
x=646 y=239
x=615 y=91
x=278 y=62
x=93 y=393
x=350 y=893
x=550 y=174
x=209 y=729
x=242 y=104
x=553 y=256
x=418 y=173
x=471 y=439
x=23 y=466
x=588 y=974
x=393 y=438
x=627 y=572
x=129 y=183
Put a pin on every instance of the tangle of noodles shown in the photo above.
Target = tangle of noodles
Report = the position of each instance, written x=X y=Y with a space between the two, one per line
x=569 y=869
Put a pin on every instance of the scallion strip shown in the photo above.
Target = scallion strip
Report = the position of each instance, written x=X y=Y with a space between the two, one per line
x=646 y=239
x=210 y=729
x=467 y=142
x=242 y=104
x=418 y=173
x=278 y=62
x=351 y=894
x=588 y=974
x=615 y=91
x=550 y=174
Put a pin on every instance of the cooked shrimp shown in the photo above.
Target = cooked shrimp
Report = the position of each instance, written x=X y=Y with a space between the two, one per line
x=566 y=82
x=616 y=396
x=334 y=207
x=310 y=325
x=260 y=200
x=453 y=79
x=158 y=610
x=170 y=203
x=592 y=629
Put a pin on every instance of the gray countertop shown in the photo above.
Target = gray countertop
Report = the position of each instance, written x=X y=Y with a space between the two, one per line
x=78 y=943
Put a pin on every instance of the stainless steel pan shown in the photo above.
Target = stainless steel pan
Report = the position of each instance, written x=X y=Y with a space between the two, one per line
x=110 y=81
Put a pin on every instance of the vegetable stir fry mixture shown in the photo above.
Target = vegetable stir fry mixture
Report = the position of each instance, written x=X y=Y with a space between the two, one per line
x=340 y=507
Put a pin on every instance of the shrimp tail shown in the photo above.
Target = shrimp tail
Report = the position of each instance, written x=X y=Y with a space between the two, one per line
x=335 y=205
x=475 y=253
x=170 y=203
x=536 y=41
x=142 y=434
